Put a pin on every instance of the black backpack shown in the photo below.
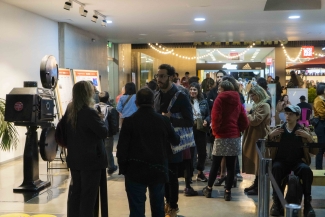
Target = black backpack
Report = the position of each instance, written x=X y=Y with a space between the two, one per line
x=294 y=192
x=113 y=121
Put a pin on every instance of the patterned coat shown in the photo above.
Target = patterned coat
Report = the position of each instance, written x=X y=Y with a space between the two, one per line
x=259 y=127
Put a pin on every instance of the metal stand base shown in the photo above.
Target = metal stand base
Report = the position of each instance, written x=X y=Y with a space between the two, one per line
x=31 y=182
x=38 y=185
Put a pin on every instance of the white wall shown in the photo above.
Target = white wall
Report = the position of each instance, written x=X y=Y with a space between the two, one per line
x=80 y=49
x=24 y=39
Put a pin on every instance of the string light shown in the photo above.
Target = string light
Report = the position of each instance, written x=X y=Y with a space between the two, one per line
x=238 y=55
x=162 y=50
x=288 y=57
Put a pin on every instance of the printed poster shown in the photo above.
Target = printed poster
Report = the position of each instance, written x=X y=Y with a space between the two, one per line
x=64 y=90
x=87 y=75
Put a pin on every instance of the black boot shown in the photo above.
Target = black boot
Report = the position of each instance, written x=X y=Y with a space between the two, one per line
x=276 y=209
x=308 y=209
x=253 y=186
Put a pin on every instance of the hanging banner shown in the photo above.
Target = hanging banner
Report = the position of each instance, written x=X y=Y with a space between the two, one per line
x=307 y=52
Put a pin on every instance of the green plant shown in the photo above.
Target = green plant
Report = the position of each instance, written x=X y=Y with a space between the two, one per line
x=8 y=132
x=311 y=94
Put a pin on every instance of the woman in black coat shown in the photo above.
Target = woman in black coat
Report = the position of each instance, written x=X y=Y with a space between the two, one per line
x=87 y=157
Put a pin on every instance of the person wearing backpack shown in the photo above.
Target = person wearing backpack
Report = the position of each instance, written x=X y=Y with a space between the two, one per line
x=112 y=120
x=291 y=157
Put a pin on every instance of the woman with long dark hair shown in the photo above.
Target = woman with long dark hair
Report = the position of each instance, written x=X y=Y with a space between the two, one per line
x=126 y=105
x=86 y=151
x=294 y=80
x=228 y=119
x=201 y=111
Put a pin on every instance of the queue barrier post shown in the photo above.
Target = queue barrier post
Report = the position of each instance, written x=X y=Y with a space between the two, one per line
x=263 y=180
x=292 y=210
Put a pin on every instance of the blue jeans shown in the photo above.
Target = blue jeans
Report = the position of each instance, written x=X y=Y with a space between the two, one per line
x=109 y=143
x=136 y=193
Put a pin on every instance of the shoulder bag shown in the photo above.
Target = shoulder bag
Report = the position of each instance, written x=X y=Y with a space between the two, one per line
x=185 y=133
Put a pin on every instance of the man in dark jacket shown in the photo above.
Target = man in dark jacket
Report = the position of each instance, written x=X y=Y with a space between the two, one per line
x=142 y=155
x=213 y=93
x=182 y=105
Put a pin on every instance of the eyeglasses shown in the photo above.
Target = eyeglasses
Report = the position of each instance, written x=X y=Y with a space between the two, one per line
x=219 y=76
x=160 y=76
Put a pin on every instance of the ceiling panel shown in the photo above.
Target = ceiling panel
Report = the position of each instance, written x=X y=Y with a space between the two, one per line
x=171 y=21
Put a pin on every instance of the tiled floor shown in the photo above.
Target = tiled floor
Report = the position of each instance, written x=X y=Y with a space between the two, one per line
x=54 y=199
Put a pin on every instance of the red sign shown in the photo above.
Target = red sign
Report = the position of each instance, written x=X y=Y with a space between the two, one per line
x=269 y=61
x=307 y=52
x=234 y=55
x=18 y=106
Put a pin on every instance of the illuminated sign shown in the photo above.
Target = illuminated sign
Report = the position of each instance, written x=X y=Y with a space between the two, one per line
x=307 y=52
x=229 y=66
x=269 y=61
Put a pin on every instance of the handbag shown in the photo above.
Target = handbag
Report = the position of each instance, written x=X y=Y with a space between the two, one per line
x=185 y=133
x=314 y=121
x=200 y=127
x=60 y=133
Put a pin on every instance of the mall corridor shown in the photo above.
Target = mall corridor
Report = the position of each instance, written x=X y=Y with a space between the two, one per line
x=54 y=199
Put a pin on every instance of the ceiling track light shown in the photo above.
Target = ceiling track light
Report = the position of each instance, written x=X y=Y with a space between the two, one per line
x=82 y=11
x=68 y=5
x=94 y=18
x=104 y=23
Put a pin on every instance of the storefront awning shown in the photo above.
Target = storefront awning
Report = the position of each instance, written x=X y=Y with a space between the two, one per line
x=314 y=63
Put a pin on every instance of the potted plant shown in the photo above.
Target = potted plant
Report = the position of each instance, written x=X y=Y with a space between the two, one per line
x=8 y=132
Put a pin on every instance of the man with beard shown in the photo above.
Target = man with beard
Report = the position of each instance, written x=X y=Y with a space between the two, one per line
x=213 y=93
x=182 y=105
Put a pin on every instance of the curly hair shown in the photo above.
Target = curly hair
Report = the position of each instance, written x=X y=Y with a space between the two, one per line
x=199 y=91
x=82 y=95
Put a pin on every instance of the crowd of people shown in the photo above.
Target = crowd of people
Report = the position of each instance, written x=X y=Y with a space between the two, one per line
x=164 y=131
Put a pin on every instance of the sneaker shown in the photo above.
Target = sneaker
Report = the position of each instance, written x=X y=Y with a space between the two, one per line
x=207 y=192
x=239 y=177
x=171 y=213
x=201 y=177
x=111 y=171
x=190 y=192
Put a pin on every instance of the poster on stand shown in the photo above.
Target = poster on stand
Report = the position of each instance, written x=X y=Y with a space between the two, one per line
x=87 y=75
x=64 y=90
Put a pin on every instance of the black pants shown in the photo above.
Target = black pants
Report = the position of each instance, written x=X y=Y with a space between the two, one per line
x=200 y=138
x=230 y=164
x=172 y=187
x=83 y=192
x=280 y=170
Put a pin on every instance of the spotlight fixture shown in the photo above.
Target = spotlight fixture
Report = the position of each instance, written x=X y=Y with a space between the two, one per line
x=95 y=17
x=68 y=5
x=104 y=24
x=82 y=11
